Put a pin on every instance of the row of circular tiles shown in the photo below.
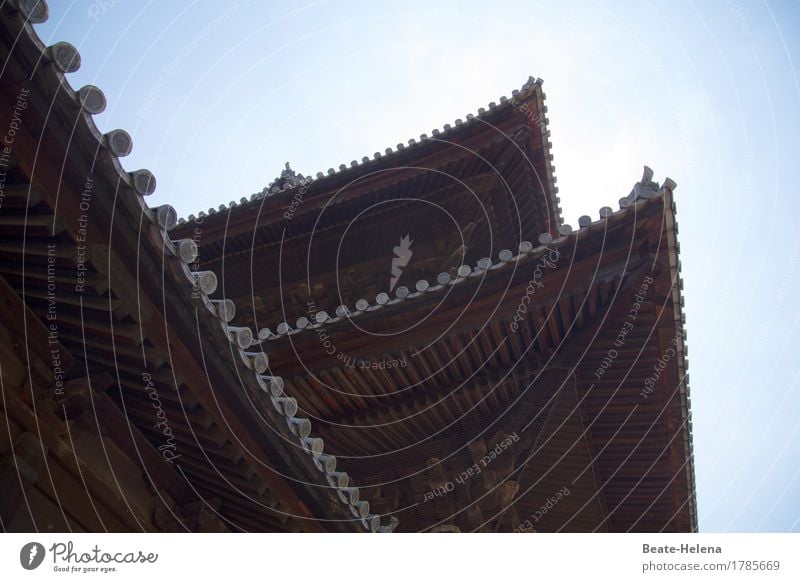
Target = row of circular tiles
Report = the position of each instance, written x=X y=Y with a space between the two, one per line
x=272 y=386
x=463 y=272
x=243 y=340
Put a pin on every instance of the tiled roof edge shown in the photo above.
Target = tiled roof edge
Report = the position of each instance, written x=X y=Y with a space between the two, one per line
x=643 y=190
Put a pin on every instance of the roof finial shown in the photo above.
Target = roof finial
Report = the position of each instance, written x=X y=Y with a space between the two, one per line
x=288 y=179
x=644 y=188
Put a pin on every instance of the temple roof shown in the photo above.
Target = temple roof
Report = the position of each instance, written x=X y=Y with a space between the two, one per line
x=469 y=360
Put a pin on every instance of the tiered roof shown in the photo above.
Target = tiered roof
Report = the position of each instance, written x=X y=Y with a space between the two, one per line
x=247 y=459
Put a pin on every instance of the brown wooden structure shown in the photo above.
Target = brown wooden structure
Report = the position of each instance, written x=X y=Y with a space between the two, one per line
x=415 y=341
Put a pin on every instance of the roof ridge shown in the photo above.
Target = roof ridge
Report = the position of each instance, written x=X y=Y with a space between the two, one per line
x=275 y=187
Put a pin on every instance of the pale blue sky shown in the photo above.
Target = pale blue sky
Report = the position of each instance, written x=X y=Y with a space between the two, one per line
x=219 y=95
